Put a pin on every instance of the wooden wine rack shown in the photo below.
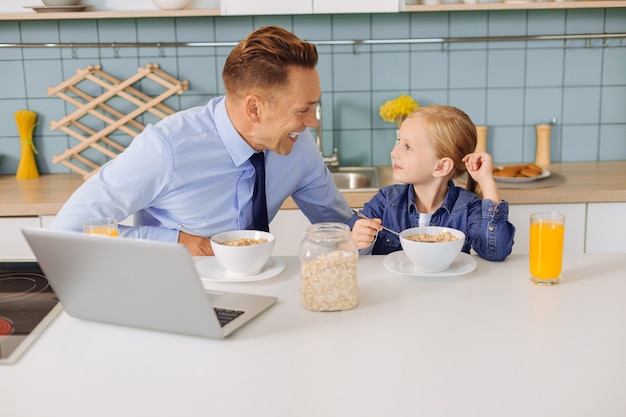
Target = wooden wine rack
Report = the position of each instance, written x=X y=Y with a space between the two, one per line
x=107 y=110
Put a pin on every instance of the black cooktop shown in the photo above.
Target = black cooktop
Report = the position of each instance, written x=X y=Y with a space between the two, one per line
x=27 y=305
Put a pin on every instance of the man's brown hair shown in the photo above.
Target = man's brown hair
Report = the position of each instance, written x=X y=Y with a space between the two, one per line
x=260 y=62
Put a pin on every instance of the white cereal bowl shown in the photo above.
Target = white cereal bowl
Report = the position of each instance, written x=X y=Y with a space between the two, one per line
x=242 y=261
x=432 y=256
x=171 y=4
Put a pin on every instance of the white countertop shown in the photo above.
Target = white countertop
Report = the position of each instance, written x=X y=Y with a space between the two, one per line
x=488 y=343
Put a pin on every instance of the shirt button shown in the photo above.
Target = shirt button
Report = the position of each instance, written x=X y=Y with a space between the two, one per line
x=491 y=228
x=490 y=209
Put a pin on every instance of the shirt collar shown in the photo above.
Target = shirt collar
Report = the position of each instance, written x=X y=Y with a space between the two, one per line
x=448 y=201
x=236 y=146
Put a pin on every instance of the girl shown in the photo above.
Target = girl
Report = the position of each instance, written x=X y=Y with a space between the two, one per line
x=436 y=145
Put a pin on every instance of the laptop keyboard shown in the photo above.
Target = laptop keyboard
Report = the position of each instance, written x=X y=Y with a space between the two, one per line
x=225 y=315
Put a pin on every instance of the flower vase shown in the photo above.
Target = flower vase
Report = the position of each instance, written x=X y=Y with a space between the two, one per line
x=542 y=156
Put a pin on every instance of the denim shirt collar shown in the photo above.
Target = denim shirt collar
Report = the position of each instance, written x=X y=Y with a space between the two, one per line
x=448 y=202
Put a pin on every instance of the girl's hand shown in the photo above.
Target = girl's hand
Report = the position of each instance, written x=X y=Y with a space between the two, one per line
x=479 y=165
x=364 y=232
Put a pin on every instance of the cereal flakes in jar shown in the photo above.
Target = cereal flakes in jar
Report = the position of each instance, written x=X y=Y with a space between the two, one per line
x=328 y=270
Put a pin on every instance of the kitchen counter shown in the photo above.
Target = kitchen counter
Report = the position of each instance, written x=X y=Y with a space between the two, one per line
x=585 y=182
x=488 y=343
x=42 y=196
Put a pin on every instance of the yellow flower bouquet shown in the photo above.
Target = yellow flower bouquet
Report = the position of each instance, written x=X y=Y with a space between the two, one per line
x=398 y=109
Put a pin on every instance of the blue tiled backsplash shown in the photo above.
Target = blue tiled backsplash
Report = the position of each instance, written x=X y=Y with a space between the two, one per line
x=510 y=86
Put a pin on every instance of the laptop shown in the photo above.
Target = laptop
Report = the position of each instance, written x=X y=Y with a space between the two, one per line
x=137 y=283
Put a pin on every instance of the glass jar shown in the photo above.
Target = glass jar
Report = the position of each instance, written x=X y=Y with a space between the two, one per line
x=328 y=269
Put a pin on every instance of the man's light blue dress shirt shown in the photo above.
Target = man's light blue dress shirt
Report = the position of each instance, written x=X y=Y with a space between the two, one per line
x=190 y=172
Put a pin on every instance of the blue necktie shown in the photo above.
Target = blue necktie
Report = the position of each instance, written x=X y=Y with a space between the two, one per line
x=259 y=205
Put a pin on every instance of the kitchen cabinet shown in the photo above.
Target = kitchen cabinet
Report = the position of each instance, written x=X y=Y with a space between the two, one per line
x=13 y=245
x=357 y=6
x=289 y=228
x=245 y=7
x=266 y=7
x=575 y=216
x=309 y=7
x=45 y=220
x=606 y=228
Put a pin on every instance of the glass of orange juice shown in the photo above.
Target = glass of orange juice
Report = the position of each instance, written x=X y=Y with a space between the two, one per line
x=547 y=231
x=103 y=227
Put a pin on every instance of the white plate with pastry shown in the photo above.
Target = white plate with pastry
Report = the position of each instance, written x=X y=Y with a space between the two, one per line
x=519 y=173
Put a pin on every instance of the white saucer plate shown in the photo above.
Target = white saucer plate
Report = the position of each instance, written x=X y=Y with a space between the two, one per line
x=400 y=263
x=210 y=270
x=57 y=9
x=544 y=174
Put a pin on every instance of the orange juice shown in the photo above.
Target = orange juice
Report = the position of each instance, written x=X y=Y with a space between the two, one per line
x=101 y=227
x=105 y=231
x=546 y=249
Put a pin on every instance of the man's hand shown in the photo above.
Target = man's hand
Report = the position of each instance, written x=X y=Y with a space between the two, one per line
x=197 y=245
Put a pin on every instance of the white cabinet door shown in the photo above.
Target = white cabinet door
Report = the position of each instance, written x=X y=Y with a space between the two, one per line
x=265 y=7
x=519 y=215
x=46 y=219
x=358 y=6
x=289 y=228
x=606 y=227
x=13 y=245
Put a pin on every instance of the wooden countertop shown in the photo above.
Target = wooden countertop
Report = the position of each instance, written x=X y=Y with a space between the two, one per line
x=585 y=182
x=44 y=195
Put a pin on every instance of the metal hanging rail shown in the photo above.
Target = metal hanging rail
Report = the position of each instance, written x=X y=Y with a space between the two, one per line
x=355 y=43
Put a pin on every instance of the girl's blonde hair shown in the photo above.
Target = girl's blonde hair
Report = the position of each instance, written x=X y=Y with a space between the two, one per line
x=453 y=134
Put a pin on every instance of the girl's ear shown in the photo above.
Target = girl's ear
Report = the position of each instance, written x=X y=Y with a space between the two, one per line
x=444 y=167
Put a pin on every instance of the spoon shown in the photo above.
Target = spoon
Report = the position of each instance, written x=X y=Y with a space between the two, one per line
x=361 y=215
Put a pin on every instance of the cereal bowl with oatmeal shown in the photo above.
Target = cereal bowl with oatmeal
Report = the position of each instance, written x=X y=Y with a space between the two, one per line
x=432 y=248
x=243 y=253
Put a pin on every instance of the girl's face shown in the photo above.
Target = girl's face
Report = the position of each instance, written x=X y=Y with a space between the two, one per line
x=413 y=157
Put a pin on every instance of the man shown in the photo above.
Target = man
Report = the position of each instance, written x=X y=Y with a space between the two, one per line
x=188 y=177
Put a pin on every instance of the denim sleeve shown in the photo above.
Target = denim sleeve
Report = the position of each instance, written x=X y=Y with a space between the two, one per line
x=375 y=209
x=492 y=236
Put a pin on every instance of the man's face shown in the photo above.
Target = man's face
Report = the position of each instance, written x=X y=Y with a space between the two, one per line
x=291 y=111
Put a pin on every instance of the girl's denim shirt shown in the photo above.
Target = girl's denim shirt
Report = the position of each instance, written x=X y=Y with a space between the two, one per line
x=485 y=224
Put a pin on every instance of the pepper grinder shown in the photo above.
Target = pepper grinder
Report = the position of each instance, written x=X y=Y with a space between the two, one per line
x=481 y=139
x=542 y=157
